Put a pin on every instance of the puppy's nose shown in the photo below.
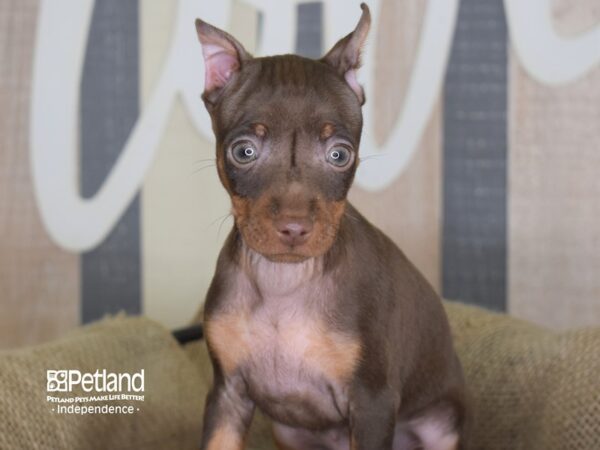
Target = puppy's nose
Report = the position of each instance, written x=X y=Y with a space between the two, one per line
x=293 y=231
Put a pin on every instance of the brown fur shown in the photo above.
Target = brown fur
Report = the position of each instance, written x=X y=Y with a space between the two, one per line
x=314 y=315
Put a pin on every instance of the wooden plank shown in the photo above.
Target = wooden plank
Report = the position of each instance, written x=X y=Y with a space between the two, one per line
x=475 y=175
x=554 y=208
x=109 y=108
x=575 y=17
x=39 y=283
x=409 y=210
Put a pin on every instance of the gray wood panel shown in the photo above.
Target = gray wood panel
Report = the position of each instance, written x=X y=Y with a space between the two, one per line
x=309 y=37
x=475 y=141
x=110 y=273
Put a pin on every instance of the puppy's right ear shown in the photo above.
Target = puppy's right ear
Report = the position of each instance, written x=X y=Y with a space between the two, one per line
x=344 y=57
x=223 y=58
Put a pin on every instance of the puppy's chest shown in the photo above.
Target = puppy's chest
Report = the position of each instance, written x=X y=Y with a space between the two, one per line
x=296 y=365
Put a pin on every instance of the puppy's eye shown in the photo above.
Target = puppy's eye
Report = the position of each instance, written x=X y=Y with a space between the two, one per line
x=339 y=156
x=244 y=152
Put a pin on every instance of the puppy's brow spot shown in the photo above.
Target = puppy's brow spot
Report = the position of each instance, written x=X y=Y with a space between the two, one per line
x=327 y=131
x=260 y=130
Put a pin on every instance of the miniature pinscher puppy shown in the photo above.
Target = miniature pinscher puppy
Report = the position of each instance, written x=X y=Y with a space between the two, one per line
x=314 y=315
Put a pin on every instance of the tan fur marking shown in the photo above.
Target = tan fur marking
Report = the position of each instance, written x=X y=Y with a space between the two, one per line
x=225 y=438
x=240 y=206
x=253 y=219
x=233 y=337
x=334 y=354
x=260 y=130
x=447 y=442
x=222 y=174
x=327 y=131
x=226 y=336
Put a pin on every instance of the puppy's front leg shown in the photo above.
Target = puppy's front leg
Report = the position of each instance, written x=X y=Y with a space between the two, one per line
x=227 y=415
x=372 y=418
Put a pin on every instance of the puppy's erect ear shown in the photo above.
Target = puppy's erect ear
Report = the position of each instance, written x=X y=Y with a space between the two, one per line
x=223 y=57
x=344 y=57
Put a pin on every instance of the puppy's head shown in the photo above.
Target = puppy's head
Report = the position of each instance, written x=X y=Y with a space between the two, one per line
x=287 y=130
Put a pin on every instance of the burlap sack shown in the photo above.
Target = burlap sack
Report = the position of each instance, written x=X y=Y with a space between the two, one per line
x=531 y=389
x=169 y=417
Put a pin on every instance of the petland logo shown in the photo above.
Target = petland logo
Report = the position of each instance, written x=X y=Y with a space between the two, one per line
x=99 y=381
x=120 y=389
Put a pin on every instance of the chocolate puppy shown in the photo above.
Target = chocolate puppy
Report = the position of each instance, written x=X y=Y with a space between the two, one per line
x=314 y=315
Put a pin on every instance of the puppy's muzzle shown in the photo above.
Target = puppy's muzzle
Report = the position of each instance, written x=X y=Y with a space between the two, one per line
x=293 y=231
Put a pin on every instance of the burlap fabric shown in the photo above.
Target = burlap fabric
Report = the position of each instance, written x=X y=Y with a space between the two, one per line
x=168 y=417
x=531 y=388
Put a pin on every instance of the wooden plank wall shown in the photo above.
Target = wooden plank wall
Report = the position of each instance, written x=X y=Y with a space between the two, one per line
x=552 y=193
x=554 y=179
x=39 y=283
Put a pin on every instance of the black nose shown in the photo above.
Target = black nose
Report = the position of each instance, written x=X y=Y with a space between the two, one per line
x=294 y=231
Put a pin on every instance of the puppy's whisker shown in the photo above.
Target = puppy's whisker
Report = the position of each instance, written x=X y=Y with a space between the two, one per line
x=222 y=217
x=350 y=216
x=221 y=224
x=198 y=161
x=200 y=169
x=376 y=156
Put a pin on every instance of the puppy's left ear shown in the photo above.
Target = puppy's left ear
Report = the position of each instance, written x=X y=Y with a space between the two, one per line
x=344 y=57
x=223 y=58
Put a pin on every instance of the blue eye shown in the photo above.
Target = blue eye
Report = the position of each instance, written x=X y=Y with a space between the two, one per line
x=339 y=156
x=244 y=152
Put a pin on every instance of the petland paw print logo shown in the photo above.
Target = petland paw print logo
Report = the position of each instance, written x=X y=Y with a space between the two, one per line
x=57 y=380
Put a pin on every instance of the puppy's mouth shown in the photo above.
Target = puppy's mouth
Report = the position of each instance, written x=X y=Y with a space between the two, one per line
x=280 y=247
x=287 y=243
x=286 y=234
